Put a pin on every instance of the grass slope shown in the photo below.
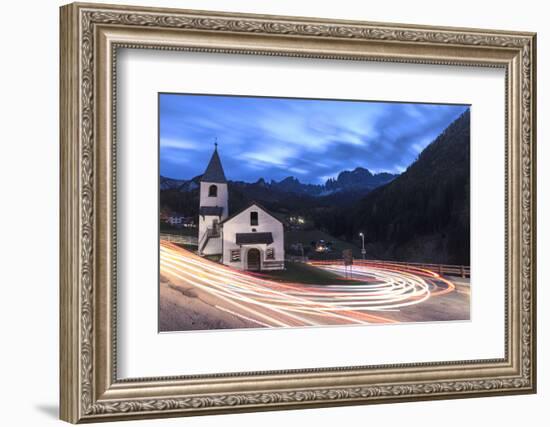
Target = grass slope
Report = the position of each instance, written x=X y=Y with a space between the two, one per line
x=307 y=236
x=297 y=272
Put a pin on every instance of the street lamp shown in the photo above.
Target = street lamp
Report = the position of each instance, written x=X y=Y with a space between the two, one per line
x=363 y=251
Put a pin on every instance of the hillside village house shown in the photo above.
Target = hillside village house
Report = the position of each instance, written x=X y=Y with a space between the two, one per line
x=251 y=239
x=180 y=221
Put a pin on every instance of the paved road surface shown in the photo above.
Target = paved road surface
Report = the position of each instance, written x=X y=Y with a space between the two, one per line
x=240 y=299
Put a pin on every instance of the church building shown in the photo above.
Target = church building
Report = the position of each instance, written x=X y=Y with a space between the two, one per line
x=251 y=239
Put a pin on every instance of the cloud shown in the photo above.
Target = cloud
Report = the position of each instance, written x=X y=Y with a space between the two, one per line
x=180 y=144
x=277 y=137
x=298 y=170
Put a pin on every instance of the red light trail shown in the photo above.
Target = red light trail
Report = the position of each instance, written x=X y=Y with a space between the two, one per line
x=267 y=303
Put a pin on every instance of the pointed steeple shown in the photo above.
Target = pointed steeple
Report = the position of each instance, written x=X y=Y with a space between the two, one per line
x=214 y=171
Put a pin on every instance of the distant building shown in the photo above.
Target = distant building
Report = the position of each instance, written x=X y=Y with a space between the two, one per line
x=323 y=246
x=179 y=221
x=252 y=239
x=164 y=216
x=296 y=220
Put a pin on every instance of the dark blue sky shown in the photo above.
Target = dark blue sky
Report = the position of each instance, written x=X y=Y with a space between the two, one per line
x=312 y=140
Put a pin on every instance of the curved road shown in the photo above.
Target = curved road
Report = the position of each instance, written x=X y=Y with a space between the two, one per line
x=376 y=291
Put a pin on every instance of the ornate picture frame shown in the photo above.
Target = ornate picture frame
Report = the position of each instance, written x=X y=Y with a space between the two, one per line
x=90 y=37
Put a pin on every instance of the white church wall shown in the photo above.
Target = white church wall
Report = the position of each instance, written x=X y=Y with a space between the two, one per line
x=221 y=199
x=241 y=224
x=214 y=245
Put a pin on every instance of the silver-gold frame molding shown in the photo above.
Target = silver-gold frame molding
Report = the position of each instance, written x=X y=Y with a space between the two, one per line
x=90 y=37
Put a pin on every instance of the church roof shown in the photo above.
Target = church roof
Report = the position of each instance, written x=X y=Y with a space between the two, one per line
x=214 y=170
x=254 y=238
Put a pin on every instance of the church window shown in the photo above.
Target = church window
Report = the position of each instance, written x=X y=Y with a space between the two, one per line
x=253 y=218
x=213 y=191
x=235 y=255
x=270 y=253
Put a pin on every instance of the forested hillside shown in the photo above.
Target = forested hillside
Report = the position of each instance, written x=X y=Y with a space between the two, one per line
x=424 y=214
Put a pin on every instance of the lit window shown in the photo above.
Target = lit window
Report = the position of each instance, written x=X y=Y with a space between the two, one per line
x=253 y=218
x=213 y=191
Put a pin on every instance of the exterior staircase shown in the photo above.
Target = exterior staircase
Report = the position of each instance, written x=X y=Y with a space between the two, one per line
x=210 y=234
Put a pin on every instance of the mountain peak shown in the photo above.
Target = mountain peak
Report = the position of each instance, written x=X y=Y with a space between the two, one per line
x=357 y=172
x=289 y=179
x=360 y=169
x=358 y=179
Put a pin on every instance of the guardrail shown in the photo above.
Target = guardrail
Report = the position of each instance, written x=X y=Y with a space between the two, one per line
x=178 y=238
x=441 y=269
x=270 y=265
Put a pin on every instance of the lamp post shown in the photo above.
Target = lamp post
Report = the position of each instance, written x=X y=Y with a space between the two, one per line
x=363 y=251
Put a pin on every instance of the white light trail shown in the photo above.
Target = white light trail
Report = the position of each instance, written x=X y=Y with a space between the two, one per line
x=270 y=303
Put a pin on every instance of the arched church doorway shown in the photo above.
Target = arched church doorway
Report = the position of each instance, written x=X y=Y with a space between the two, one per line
x=253 y=259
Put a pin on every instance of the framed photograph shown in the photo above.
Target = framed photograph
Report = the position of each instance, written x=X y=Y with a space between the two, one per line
x=266 y=212
x=337 y=244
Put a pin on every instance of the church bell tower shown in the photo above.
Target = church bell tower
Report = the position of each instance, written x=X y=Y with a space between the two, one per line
x=213 y=206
